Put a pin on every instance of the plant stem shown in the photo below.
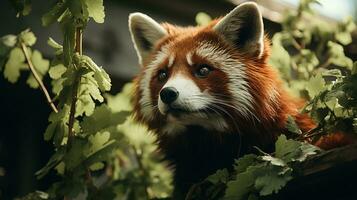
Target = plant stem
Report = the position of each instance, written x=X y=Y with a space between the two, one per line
x=38 y=79
x=74 y=89
x=142 y=169
x=72 y=112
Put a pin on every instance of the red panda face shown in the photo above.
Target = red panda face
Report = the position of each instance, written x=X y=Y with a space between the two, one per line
x=186 y=85
x=198 y=75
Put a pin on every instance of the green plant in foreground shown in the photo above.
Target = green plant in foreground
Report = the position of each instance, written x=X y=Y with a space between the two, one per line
x=100 y=153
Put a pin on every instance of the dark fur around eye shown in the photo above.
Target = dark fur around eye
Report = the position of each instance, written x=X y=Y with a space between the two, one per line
x=162 y=75
x=203 y=71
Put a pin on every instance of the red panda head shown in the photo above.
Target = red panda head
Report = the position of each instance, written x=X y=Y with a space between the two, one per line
x=211 y=76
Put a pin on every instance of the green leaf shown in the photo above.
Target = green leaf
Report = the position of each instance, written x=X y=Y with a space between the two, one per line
x=337 y=55
x=315 y=85
x=203 y=19
x=291 y=150
x=97 y=142
x=306 y=60
x=96 y=166
x=76 y=8
x=99 y=119
x=60 y=168
x=58 y=126
x=9 y=40
x=244 y=162
x=307 y=150
x=102 y=79
x=286 y=149
x=57 y=71
x=280 y=58
x=75 y=155
x=274 y=161
x=58 y=48
x=14 y=64
x=343 y=37
x=271 y=182
x=101 y=154
x=292 y=126
x=22 y=7
x=240 y=188
x=6 y=44
x=53 y=15
x=27 y=37
x=96 y=10
x=354 y=68
x=221 y=176
x=122 y=100
x=55 y=159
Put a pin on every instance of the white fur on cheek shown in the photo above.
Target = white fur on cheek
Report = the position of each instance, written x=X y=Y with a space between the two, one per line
x=146 y=105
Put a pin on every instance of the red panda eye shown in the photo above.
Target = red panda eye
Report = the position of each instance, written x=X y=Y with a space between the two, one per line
x=162 y=75
x=203 y=71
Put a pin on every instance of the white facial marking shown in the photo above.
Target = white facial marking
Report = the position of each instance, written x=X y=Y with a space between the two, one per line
x=189 y=58
x=147 y=109
x=238 y=86
x=189 y=94
x=171 y=60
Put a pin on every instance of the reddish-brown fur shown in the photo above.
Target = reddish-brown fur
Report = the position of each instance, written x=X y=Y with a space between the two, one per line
x=272 y=113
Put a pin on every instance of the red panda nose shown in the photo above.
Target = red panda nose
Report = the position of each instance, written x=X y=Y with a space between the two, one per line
x=169 y=95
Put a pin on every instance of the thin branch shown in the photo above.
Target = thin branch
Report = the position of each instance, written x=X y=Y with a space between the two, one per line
x=74 y=89
x=38 y=79
x=297 y=45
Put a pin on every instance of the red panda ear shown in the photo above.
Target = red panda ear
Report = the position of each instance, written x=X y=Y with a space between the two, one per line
x=243 y=27
x=145 y=32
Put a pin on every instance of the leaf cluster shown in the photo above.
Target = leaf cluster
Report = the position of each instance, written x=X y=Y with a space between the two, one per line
x=255 y=176
x=13 y=60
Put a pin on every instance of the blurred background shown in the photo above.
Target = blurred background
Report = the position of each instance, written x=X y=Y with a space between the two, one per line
x=22 y=149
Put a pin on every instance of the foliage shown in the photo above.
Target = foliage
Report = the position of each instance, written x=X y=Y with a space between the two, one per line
x=255 y=175
x=12 y=57
x=309 y=53
x=309 y=46
x=100 y=152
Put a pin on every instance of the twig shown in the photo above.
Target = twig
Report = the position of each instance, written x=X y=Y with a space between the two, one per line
x=74 y=98
x=297 y=45
x=38 y=79
x=74 y=89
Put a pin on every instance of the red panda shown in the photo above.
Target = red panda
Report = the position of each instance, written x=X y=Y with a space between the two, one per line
x=208 y=92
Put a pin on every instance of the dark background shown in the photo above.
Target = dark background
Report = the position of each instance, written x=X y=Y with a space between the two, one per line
x=24 y=111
